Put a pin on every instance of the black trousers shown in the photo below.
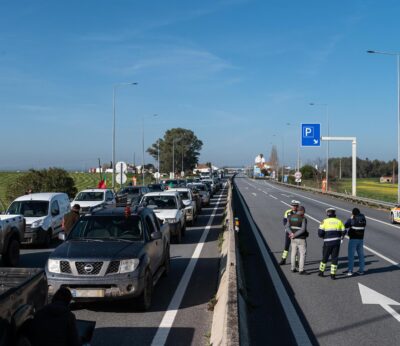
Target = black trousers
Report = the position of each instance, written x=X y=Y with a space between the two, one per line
x=330 y=250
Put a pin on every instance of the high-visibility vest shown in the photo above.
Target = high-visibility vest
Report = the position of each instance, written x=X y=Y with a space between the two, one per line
x=332 y=230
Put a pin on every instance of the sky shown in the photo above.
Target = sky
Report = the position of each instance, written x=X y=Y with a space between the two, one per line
x=239 y=73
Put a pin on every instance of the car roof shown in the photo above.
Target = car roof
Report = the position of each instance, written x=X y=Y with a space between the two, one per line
x=42 y=196
x=163 y=193
x=119 y=211
x=94 y=190
x=179 y=189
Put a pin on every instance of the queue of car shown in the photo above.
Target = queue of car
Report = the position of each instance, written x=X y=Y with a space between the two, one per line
x=120 y=246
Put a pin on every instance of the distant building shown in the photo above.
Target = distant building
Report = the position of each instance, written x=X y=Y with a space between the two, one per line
x=386 y=179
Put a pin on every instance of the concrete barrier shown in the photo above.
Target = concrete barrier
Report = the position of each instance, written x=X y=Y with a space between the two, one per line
x=225 y=325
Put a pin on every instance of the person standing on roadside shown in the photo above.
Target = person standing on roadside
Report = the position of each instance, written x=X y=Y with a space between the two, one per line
x=332 y=231
x=355 y=227
x=296 y=227
x=71 y=218
x=294 y=205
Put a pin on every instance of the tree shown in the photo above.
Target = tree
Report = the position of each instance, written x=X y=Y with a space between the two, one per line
x=273 y=158
x=308 y=172
x=45 y=180
x=187 y=150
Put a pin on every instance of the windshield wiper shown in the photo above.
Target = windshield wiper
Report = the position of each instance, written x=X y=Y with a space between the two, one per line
x=88 y=239
x=118 y=239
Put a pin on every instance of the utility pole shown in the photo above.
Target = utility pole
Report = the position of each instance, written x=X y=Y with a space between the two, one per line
x=340 y=169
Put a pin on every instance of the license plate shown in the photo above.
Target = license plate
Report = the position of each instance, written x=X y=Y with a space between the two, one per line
x=83 y=293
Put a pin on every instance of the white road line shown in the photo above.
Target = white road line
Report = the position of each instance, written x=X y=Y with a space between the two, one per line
x=165 y=326
x=254 y=194
x=332 y=205
x=273 y=197
x=293 y=318
x=365 y=246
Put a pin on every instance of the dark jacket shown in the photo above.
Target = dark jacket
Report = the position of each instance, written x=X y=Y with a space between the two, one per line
x=69 y=221
x=356 y=226
x=297 y=224
x=54 y=325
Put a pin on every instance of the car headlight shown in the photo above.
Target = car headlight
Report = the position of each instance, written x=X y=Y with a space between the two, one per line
x=128 y=265
x=172 y=220
x=37 y=224
x=54 y=266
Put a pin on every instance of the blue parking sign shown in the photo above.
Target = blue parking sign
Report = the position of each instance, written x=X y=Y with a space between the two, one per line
x=310 y=135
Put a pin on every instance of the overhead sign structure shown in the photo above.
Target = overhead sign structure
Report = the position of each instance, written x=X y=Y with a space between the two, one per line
x=310 y=135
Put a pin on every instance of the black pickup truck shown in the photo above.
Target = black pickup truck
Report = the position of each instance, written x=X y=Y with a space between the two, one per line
x=22 y=292
x=110 y=254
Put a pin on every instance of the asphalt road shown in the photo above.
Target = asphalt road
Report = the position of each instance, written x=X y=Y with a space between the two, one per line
x=334 y=310
x=179 y=314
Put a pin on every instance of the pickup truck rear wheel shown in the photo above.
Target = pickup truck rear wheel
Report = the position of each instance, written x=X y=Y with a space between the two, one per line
x=11 y=256
x=178 y=236
x=144 y=300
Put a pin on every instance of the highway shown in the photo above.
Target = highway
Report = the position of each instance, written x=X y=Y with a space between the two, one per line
x=179 y=314
x=357 y=310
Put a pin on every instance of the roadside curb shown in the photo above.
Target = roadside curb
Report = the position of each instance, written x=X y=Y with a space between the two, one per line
x=225 y=325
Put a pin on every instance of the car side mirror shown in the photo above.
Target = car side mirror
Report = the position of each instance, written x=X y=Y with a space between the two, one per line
x=62 y=236
x=55 y=212
x=156 y=235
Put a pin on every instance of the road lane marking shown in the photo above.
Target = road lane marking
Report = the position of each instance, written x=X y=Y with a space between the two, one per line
x=254 y=194
x=293 y=318
x=332 y=205
x=165 y=326
x=272 y=196
x=364 y=246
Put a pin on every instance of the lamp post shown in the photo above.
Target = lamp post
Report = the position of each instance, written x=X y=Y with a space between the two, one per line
x=397 y=55
x=158 y=160
x=154 y=115
x=173 y=154
x=115 y=86
x=327 y=143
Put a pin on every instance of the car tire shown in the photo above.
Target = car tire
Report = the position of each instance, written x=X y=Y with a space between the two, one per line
x=11 y=256
x=184 y=230
x=178 y=236
x=144 y=300
x=167 y=262
x=392 y=218
x=47 y=238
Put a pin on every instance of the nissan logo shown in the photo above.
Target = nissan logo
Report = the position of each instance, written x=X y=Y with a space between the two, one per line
x=88 y=268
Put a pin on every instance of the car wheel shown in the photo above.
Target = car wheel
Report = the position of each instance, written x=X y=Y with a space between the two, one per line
x=184 y=230
x=167 y=262
x=48 y=237
x=178 y=236
x=11 y=257
x=144 y=300
x=392 y=218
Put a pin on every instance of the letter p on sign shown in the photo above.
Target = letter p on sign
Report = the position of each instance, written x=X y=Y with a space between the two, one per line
x=308 y=132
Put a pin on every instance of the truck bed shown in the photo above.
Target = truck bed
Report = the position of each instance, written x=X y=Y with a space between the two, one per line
x=14 y=277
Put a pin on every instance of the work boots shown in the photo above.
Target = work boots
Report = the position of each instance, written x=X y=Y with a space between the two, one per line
x=282 y=262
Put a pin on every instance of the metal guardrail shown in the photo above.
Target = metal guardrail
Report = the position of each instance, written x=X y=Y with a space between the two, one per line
x=355 y=199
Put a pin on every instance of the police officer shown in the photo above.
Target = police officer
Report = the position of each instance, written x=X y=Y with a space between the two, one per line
x=332 y=231
x=294 y=205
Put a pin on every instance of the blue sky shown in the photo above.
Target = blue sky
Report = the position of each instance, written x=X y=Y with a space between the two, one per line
x=233 y=71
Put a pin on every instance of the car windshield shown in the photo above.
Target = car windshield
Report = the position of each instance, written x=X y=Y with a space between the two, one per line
x=155 y=187
x=107 y=228
x=89 y=196
x=29 y=208
x=160 y=202
x=129 y=191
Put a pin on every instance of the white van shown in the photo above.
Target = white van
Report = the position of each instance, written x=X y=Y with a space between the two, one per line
x=91 y=198
x=43 y=212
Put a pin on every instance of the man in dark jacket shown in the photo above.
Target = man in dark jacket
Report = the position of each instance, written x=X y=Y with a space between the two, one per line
x=296 y=228
x=71 y=218
x=55 y=324
x=355 y=227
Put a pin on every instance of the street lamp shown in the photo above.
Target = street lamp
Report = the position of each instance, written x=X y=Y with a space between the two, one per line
x=397 y=55
x=115 y=86
x=154 y=115
x=327 y=142
x=173 y=154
